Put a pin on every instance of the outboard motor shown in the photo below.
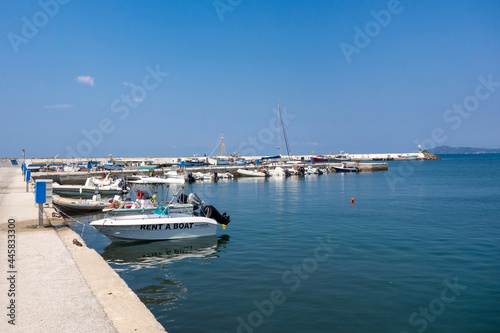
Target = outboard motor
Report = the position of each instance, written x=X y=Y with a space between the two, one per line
x=267 y=173
x=212 y=213
x=287 y=173
x=216 y=177
x=182 y=199
x=194 y=200
x=301 y=171
x=191 y=178
x=123 y=185
x=320 y=172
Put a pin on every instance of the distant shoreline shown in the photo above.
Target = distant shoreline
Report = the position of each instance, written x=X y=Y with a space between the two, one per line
x=444 y=150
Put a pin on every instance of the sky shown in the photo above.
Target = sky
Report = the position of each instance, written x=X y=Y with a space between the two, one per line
x=166 y=78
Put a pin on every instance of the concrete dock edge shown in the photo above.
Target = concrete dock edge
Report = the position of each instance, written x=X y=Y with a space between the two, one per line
x=121 y=304
x=52 y=284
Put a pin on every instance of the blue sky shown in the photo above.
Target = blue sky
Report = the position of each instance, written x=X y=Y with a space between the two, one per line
x=77 y=85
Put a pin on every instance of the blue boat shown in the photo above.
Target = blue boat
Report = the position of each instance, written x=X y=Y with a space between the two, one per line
x=344 y=168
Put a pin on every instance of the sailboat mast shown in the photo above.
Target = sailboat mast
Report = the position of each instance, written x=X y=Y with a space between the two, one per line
x=222 y=145
x=279 y=125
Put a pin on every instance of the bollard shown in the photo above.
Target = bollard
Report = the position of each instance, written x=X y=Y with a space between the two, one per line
x=40 y=215
x=28 y=178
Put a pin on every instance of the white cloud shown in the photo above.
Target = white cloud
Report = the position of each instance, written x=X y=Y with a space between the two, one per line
x=86 y=79
x=128 y=84
x=58 y=106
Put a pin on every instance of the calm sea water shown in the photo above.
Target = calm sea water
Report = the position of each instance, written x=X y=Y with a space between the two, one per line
x=419 y=250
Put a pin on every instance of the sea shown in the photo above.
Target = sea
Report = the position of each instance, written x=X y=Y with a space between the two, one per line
x=412 y=249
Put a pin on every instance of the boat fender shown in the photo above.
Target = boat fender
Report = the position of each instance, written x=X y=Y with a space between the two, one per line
x=180 y=169
x=154 y=198
x=140 y=194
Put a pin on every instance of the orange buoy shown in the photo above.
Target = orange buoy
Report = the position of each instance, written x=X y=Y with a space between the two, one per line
x=352 y=201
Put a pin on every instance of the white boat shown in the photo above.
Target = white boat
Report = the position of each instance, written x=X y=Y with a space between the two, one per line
x=116 y=188
x=219 y=160
x=140 y=179
x=175 y=172
x=70 y=206
x=73 y=167
x=313 y=171
x=342 y=157
x=279 y=172
x=225 y=175
x=253 y=173
x=162 y=225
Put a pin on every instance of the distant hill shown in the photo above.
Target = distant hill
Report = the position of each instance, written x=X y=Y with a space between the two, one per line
x=463 y=150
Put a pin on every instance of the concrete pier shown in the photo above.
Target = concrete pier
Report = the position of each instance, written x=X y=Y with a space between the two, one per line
x=79 y=178
x=53 y=284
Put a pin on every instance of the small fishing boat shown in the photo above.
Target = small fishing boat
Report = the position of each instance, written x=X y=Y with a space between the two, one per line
x=253 y=173
x=191 y=162
x=342 y=157
x=344 y=168
x=317 y=159
x=162 y=225
x=268 y=159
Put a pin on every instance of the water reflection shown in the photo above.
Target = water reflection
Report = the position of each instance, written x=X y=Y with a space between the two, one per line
x=147 y=266
x=139 y=254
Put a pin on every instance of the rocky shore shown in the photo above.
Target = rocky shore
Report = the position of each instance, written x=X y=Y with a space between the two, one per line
x=430 y=157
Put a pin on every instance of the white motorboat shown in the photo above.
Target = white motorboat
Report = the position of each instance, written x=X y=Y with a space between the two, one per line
x=253 y=173
x=140 y=179
x=313 y=171
x=162 y=225
x=116 y=188
x=279 y=172
x=225 y=175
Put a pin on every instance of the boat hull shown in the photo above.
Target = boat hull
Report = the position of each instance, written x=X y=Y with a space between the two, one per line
x=315 y=160
x=345 y=170
x=152 y=227
x=84 y=191
x=68 y=205
x=250 y=173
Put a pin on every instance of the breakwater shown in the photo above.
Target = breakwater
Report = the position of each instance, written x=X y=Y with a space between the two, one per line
x=79 y=177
